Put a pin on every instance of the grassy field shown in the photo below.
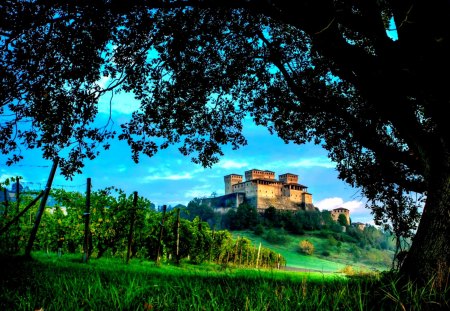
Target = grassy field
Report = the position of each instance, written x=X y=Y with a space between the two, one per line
x=347 y=254
x=49 y=282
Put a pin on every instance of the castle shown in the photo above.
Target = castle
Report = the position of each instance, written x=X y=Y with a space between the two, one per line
x=261 y=190
x=338 y=211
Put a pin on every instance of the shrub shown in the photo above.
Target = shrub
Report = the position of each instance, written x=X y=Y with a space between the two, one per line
x=326 y=253
x=259 y=229
x=348 y=270
x=275 y=237
x=306 y=247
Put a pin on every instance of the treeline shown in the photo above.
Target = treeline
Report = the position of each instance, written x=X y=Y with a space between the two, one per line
x=114 y=217
x=245 y=217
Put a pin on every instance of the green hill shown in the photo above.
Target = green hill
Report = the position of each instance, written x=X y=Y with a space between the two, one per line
x=330 y=254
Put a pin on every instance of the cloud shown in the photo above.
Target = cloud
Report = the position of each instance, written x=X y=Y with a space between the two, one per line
x=358 y=212
x=180 y=176
x=312 y=162
x=199 y=192
x=227 y=164
x=330 y=203
x=121 y=168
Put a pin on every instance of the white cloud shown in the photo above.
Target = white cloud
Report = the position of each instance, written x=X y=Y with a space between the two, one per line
x=201 y=191
x=329 y=203
x=169 y=176
x=227 y=164
x=312 y=162
x=353 y=206
x=121 y=168
x=196 y=193
x=358 y=212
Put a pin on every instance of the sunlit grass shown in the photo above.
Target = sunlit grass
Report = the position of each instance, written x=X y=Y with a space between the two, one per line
x=53 y=283
x=337 y=260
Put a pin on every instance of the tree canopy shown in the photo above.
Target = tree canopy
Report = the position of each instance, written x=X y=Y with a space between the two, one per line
x=323 y=71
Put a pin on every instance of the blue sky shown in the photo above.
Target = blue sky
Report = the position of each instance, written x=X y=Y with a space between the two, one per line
x=170 y=178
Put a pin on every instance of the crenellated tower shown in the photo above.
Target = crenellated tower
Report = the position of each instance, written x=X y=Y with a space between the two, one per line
x=231 y=180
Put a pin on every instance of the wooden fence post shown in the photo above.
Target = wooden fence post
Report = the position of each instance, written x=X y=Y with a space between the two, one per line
x=5 y=194
x=161 y=233
x=178 y=238
x=17 y=195
x=41 y=209
x=17 y=228
x=133 y=216
x=87 y=214
x=257 y=257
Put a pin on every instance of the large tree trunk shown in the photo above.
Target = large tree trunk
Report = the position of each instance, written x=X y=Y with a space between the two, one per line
x=429 y=256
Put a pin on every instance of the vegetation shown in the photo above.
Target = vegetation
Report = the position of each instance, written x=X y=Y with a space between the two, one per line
x=155 y=236
x=321 y=71
x=330 y=255
x=50 y=282
x=306 y=247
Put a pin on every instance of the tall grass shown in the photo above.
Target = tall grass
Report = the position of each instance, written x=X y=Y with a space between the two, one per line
x=52 y=283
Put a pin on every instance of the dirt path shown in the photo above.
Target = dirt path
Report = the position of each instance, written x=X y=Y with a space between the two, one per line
x=287 y=268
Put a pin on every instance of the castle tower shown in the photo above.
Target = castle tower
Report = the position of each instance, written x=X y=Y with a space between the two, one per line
x=231 y=180
x=340 y=210
x=288 y=178
x=259 y=174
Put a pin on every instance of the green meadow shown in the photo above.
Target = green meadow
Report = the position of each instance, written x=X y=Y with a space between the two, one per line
x=50 y=282
x=338 y=256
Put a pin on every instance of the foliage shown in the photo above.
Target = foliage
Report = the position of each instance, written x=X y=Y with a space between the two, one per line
x=244 y=217
x=342 y=220
x=259 y=229
x=276 y=237
x=206 y=213
x=306 y=247
x=321 y=71
x=111 y=214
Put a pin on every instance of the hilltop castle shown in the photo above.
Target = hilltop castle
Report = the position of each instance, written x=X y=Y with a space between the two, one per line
x=261 y=190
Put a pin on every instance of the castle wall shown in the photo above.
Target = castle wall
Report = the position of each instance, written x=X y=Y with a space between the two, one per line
x=280 y=203
x=307 y=198
x=232 y=200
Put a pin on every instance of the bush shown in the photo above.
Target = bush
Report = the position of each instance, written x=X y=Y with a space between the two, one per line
x=275 y=237
x=348 y=270
x=259 y=229
x=306 y=247
x=326 y=253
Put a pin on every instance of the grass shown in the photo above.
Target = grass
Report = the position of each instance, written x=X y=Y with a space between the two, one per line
x=51 y=283
x=346 y=255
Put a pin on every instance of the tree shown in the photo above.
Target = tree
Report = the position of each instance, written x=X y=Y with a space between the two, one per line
x=323 y=71
x=342 y=220
x=327 y=219
x=196 y=208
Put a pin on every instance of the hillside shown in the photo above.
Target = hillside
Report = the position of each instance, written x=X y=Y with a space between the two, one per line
x=330 y=254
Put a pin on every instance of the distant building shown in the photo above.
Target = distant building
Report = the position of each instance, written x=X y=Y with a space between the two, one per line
x=261 y=190
x=338 y=211
x=359 y=225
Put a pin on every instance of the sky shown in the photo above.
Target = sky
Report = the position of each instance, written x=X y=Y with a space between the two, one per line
x=171 y=178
